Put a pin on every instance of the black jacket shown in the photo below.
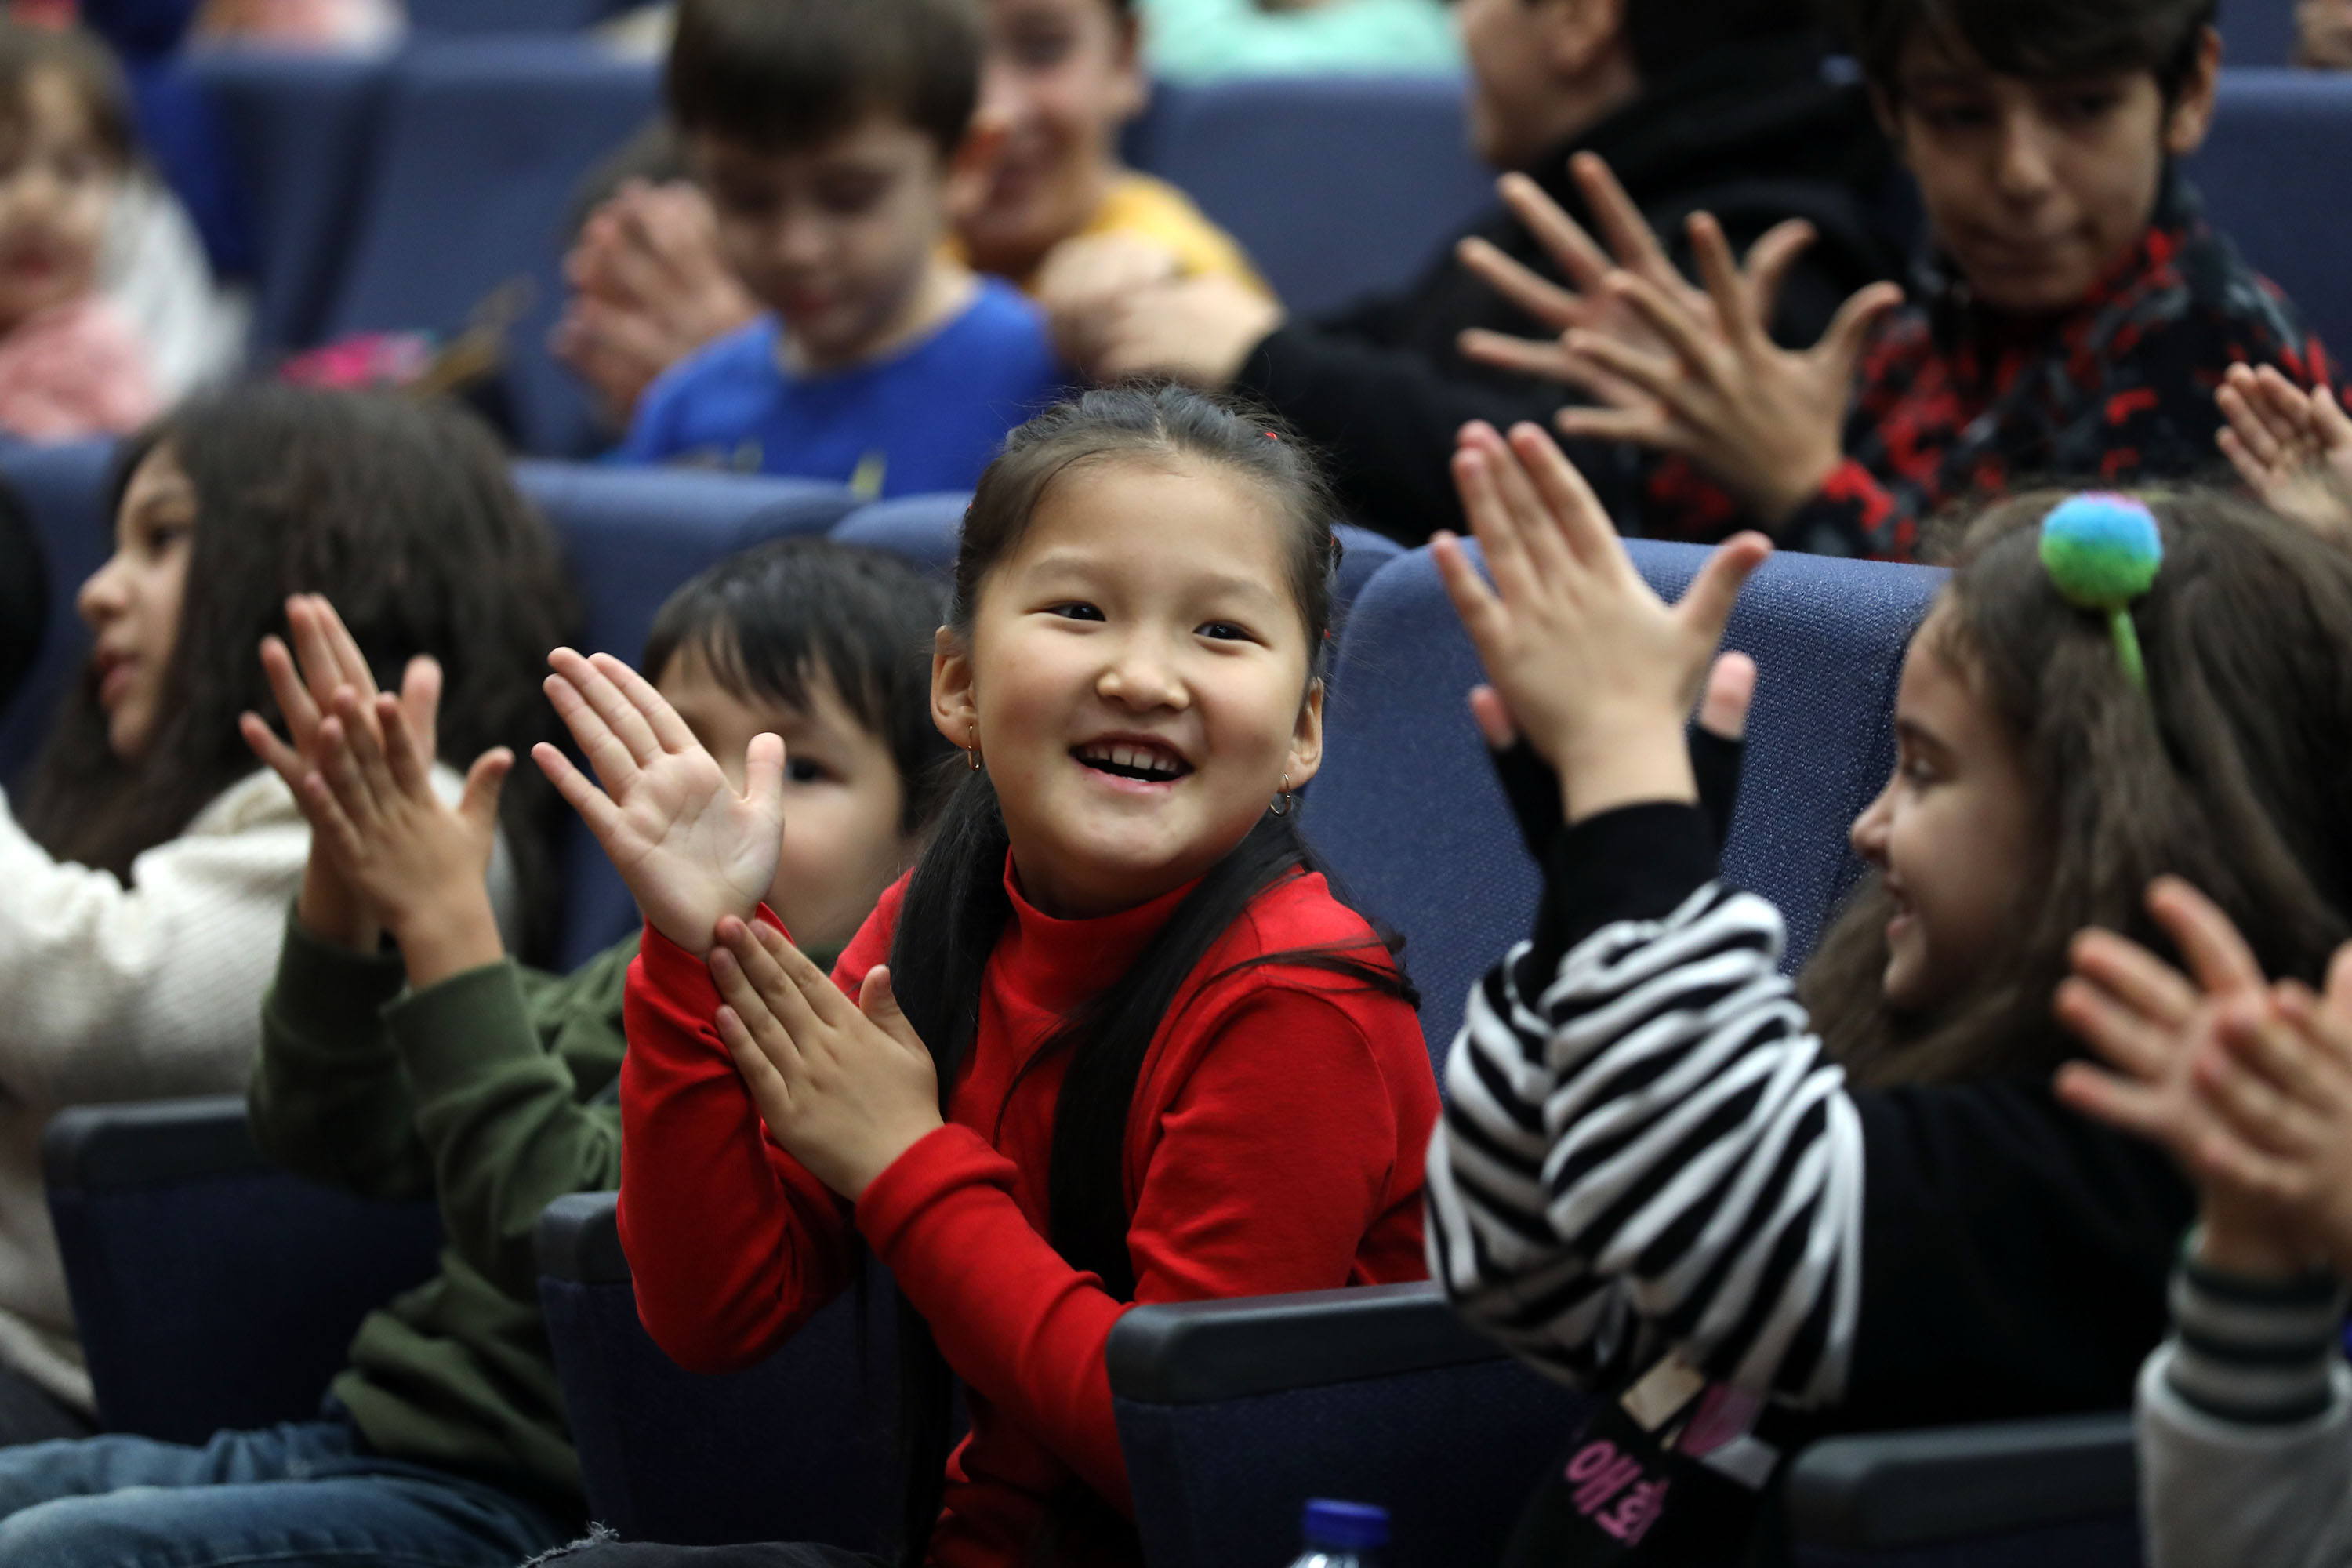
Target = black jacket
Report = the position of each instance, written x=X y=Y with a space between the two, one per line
x=1753 y=134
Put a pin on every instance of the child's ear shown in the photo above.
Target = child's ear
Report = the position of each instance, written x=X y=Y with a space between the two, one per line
x=1127 y=65
x=952 y=707
x=971 y=166
x=2192 y=114
x=1306 y=739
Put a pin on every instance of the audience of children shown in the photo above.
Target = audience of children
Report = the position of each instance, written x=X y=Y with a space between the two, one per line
x=441 y=1068
x=2073 y=321
x=1720 y=105
x=148 y=862
x=1662 y=1163
x=1114 y=1039
x=833 y=139
x=69 y=365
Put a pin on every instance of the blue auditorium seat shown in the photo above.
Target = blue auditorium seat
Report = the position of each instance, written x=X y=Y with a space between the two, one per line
x=921 y=530
x=801 y=1448
x=483 y=143
x=301 y=134
x=1407 y=811
x=1336 y=186
x=631 y=537
x=64 y=487
x=212 y=1289
x=444 y=17
x=2272 y=174
x=2257 y=32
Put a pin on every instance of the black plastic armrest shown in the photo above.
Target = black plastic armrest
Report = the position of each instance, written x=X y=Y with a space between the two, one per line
x=1890 y=1489
x=149 y=1143
x=1192 y=1353
x=579 y=1239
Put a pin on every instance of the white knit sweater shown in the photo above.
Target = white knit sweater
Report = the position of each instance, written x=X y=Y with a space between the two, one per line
x=140 y=993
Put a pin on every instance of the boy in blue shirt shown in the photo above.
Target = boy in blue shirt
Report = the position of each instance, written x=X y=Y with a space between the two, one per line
x=833 y=139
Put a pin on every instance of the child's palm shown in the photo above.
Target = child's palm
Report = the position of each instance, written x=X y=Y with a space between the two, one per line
x=690 y=848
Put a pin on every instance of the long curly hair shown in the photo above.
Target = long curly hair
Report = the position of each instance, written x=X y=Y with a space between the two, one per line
x=2230 y=771
x=404 y=517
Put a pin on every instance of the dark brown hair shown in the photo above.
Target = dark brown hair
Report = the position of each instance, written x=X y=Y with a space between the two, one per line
x=1663 y=35
x=2230 y=771
x=782 y=75
x=404 y=517
x=2040 y=40
x=26 y=51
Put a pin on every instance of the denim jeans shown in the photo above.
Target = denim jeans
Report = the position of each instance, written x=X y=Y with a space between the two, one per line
x=307 y=1492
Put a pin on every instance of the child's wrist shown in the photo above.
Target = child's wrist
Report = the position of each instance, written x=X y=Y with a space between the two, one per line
x=1625 y=764
x=1780 y=496
x=2225 y=1242
x=332 y=909
x=446 y=933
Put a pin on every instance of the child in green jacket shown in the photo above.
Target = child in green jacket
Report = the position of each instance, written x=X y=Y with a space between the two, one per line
x=440 y=1066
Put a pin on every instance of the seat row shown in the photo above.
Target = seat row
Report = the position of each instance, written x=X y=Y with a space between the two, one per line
x=398 y=193
x=213 y=1291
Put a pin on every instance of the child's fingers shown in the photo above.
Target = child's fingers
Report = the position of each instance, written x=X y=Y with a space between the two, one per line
x=2252 y=1108
x=294 y=700
x=1493 y=717
x=1628 y=233
x=2124 y=1037
x=1731 y=692
x=879 y=1000
x=325 y=812
x=363 y=739
x=1841 y=346
x=581 y=794
x=768 y=977
x=2134 y=977
x=2328 y=420
x=2216 y=1157
x=1541 y=358
x=1718 y=272
x=340 y=766
x=1581 y=527
x=825 y=999
x=741 y=990
x=1584 y=262
x=276 y=754
x=484 y=783
x=763 y=776
x=1644 y=426
x=2121 y=1102
x=1705 y=608
x=1482 y=614
x=1492 y=522
x=1540 y=296
x=592 y=679
x=2218 y=956
x=613 y=761
x=403 y=760
x=1697 y=349
x=2253 y=472
x=1662 y=377
x=2249 y=429
x=420 y=704
x=2287 y=404
x=660 y=719
x=2280 y=1046
x=1767 y=263
x=771 y=1091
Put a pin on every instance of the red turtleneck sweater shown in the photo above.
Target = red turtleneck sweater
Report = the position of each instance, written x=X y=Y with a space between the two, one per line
x=1275 y=1145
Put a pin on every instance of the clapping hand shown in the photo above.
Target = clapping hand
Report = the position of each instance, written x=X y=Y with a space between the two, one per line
x=844 y=1088
x=1589 y=666
x=2292 y=447
x=690 y=848
x=2247 y=1084
x=329 y=661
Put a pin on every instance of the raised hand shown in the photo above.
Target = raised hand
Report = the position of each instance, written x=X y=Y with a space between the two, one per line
x=844 y=1088
x=2292 y=447
x=690 y=848
x=2153 y=1027
x=1588 y=304
x=420 y=864
x=1084 y=285
x=1766 y=422
x=330 y=662
x=1592 y=668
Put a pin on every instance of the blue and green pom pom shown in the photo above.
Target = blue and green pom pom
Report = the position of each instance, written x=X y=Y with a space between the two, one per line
x=2103 y=551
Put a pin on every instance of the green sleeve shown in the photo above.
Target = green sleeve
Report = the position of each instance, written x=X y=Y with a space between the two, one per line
x=329 y=1098
x=500 y=1065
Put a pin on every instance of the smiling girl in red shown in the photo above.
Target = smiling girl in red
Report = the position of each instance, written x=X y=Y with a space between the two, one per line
x=1115 y=1040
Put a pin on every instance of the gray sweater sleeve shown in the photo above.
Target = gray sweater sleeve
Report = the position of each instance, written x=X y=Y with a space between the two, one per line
x=2245 y=1427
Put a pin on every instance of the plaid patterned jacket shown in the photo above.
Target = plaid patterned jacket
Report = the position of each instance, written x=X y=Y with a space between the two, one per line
x=1956 y=402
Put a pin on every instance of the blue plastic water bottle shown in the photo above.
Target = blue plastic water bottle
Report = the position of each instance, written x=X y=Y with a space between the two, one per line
x=1343 y=1535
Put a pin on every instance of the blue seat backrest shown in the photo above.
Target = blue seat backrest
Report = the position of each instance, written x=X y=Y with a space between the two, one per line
x=2257 y=32
x=484 y=143
x=2272 y=174
x=448 y=16
x=1362 y=554
x=1407 y=811
x=64 y=487
x=631 y=536
x=211 y=1290
x=301 y=132
x=1336 y=186
x=800 y=1447
x=920 y=530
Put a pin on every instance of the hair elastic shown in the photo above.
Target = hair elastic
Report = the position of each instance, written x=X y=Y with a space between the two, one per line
x=2103 y=551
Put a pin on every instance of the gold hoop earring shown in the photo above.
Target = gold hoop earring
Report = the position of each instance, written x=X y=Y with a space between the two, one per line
x=972 y=749
x=1283 y=801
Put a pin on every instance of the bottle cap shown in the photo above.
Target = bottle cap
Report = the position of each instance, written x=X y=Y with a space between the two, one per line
x=1346 y=1526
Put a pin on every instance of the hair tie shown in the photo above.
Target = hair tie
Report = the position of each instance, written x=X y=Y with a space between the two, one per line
x=1272 y=436
x=2102 y=551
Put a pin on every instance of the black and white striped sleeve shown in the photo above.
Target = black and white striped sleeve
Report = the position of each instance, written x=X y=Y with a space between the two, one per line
x=1643 y=1139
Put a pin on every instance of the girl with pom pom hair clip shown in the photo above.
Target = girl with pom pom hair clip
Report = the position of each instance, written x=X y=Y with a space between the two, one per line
x=1901 y=1222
